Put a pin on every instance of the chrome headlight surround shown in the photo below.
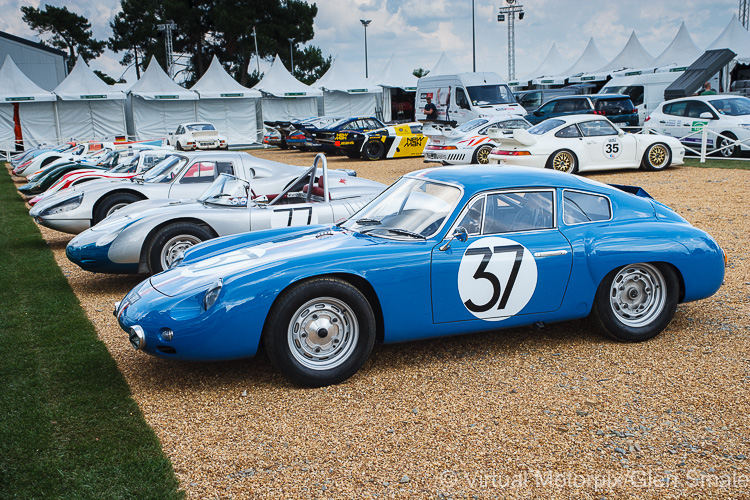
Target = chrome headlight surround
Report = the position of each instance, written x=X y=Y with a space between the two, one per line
x=64 y=206
x=212 y=294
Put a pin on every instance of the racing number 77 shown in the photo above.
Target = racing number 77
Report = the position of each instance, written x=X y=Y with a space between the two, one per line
x=482 y=273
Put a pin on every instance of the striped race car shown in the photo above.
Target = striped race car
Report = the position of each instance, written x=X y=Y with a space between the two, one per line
x=468 y=143
x=393 y=141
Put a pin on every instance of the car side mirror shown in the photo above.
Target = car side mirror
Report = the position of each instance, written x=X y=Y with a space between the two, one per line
x=459 y=234
x=620 y=132
x=706 y=115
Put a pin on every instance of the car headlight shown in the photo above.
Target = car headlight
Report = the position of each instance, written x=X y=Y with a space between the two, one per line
x=64 y=206
x=212 y=294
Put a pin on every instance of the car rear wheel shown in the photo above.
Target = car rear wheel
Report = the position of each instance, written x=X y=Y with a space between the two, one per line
x=179 y=146
x=373 y=150
x=320 y=332
x=729 y=149
x=113 y=203
x=482 y=155
x=171 y=242
x=636 y=302
x=657 y=157
x=563 y=161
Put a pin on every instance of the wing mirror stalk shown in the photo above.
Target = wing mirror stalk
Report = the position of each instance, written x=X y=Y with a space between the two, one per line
x=459 y=234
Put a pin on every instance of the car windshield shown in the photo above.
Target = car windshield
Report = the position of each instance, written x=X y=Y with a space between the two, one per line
x=410 y=208
x=108 y=159
x=197 y=127
x=128 y=166
x=166 y=170
x=545 y=126
x=63 y=148
x=482 y=95
x=472 y=124
x=228 y=191
x=732 y=107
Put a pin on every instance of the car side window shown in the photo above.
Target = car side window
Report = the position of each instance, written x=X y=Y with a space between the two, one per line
x=676 y=108
x=200 y=172
x=581 y=207
x=569 y=131
x=225 y=167
x=180 y=130
x=547 y=108
x=461 y=100
x=472 y=217
x=565 y=106
x=518 y=211
x=697 y=107
x=532 y=99
x=596 y=128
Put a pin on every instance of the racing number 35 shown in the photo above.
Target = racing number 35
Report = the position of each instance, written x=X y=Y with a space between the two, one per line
x=611 y=148
x=482 y=273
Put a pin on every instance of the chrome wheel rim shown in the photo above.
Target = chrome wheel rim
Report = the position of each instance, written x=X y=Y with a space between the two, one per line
x=175 y=248
x=483 y=156
x=638 y=294
x=728 y=150
x=323 y=333
x=658 y=155
x=563 y=162
x=115 y=208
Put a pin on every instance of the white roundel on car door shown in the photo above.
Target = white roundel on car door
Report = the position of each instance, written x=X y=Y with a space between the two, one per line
x=612 y=148
x=496 y=278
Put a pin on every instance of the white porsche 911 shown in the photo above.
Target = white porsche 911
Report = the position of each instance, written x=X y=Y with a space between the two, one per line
x=193 y=136
x=585 y=142
x=468 y=143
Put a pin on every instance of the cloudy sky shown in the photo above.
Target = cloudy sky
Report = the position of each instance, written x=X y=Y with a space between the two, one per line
x=418 y=31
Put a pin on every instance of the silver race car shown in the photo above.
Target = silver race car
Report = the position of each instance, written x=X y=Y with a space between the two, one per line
x=180 y=176
x=151 y=236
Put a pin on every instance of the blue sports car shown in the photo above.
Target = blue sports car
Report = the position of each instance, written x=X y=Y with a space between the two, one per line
x=441 y=252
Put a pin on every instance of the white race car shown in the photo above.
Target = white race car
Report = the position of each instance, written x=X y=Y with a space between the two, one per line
x=585 y=142
x=468 y=143
x=203 y=135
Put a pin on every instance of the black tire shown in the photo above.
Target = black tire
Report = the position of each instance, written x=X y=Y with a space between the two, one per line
x=112 y=203
x=179 y=146
x=170 y=242
x=481 y=155
x=564 y=161
x=731 y=151
x=636 y=302
x=657 y=156
x=294 y=336
x=373 y=150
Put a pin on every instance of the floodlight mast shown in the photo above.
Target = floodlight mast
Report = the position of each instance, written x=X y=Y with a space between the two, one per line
x=745 y=13
x=167 y=29
x=511 y=10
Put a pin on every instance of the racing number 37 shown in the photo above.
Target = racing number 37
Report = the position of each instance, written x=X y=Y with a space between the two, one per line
x=482 y=273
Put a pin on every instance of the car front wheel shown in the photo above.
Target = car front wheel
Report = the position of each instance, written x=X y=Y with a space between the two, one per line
x=636 y=302
x=373 y=150
x=171 y=242
x=657 y=157
x=320 y=332
x=726 y=147
x=113 y=203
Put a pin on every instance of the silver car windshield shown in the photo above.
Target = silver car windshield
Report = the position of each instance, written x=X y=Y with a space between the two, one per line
x=410 y=208
x=228 y=191
x=165 y=171
x=732 y=106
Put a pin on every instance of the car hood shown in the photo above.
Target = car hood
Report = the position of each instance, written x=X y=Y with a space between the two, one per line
x=288 y=252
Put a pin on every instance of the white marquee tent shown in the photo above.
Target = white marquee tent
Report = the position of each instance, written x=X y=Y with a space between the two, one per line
x=396 y=75
x=88 y=108
x=229 y=106
x=157 y=105
x=735 y=38
x=346 y=94
x=443 y=66
x=285 y=97
x=590 y=60
x=680 y=53
x=551 y=65
x=633 y=55
x=35 y=106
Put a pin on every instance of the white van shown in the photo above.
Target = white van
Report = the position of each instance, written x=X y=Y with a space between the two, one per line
x=645 y=90
x=465 y=96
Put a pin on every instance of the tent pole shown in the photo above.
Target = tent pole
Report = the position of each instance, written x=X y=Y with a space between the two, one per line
x=57 y=122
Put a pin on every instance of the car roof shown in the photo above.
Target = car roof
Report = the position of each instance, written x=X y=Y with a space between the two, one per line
x=568 y=119
x=705 y=98
x=475 y=178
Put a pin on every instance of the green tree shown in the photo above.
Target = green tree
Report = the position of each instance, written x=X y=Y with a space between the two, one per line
x=310 y=65
x=134 y=30
x=419 y=72
x=70 y=32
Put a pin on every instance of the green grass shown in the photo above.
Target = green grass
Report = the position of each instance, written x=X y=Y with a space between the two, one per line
x=68 y=425
x=739 y=164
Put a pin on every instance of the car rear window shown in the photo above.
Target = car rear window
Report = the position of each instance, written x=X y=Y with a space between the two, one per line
x=545 y=126
x=623 y=106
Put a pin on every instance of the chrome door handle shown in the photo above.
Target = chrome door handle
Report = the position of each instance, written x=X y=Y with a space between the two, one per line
x=550 y=253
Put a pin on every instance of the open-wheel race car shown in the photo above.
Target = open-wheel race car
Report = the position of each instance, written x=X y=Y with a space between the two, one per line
x=442 y=251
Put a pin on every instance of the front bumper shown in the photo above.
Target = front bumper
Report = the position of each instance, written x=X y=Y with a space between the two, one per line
x=71 y=226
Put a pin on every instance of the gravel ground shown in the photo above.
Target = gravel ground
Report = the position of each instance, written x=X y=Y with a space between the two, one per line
x=521 y=413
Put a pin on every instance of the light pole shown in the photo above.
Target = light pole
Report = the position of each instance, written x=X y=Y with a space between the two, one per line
x=168 y=27
x=257 y=57
x=473 y=39
x=291 y=52
x=511 y=11
x=365 y=23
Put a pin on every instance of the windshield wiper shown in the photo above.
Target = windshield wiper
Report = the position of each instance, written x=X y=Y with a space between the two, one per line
x=406 y=232
x=366 y=221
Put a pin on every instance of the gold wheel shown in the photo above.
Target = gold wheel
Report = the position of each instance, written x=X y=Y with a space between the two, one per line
x=483 y=155
x=657 y=157
x=564 y=161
